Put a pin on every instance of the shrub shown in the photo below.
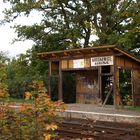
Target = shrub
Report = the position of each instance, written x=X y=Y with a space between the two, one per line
x=36 y=121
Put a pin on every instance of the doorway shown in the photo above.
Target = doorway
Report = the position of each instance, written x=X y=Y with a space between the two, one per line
x=69 y=87
x=107 y=85
x=125 y=86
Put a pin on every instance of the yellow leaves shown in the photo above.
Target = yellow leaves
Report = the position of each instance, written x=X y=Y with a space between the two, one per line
x=39 y=118
x=2 y=94
x=26 y=109
x=38 y=85
x=27 y=95
x=51 y=126
x=47 y=136
x=3 y=90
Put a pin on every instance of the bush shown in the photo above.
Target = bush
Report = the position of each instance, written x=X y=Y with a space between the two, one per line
x=36 y=121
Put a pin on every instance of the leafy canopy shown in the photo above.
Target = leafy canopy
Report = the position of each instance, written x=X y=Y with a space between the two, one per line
x=68 y=23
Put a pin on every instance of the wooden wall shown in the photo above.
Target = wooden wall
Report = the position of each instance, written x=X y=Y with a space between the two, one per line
x=130 y=64
x=55 y=67
x=127 y=63
x=87 y=87
x=69 y=64
x=136 y=87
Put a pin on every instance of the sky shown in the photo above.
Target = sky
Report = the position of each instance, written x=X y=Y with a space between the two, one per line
x=7 y=34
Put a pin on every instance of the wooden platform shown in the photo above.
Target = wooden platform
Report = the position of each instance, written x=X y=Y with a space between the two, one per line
x=107 y=113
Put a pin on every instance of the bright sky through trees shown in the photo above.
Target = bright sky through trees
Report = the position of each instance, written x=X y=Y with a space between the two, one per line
x=7 y=34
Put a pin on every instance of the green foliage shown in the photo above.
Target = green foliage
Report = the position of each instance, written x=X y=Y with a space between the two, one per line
x=125 y=85
x=65 y=23
x=137 y=108
x=15 y=100
x=21 y=73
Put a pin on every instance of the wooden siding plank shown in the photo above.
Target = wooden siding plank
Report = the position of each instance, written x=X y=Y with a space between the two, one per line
x=87 y=87
x=49 y=79
x=60 y=83
x=64 y=64
x=136 y=87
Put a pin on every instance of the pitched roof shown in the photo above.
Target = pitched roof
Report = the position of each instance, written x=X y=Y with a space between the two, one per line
x=63 y=54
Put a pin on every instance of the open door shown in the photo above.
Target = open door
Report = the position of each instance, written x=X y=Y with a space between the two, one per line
x=107 y=85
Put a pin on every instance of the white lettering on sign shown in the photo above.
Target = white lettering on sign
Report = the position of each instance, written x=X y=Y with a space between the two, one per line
x=102 y=61
x=79 y=63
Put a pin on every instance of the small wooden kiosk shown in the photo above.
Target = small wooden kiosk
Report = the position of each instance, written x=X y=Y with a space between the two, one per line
x=97 y=71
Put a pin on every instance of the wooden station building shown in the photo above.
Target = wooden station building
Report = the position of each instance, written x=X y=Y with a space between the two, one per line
x=98 y=74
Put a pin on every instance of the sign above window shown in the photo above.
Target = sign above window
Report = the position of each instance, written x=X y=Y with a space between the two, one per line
x=102 y=61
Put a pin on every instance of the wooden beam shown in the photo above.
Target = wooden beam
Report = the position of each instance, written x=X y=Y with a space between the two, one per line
x=49 y=78
x=118 y=54
x=109 y=50
x=53 y=55
x=107 y=74
x=60 y=83
x=79 y=52
x=114 y=81
x=117 y=96
x=94 y=51
x=66 y=54
x=100 y=82
x=107 y=96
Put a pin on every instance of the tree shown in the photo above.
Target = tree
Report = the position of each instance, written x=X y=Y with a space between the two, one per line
x=21 y=73
x=3 y=76
x=65 y=23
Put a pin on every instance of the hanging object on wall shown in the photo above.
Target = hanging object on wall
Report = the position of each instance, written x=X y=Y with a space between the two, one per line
x=78 y=63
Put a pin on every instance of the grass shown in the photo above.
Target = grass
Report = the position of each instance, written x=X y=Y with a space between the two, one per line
x=14 y=100
x=133 y=108
x=20 y=101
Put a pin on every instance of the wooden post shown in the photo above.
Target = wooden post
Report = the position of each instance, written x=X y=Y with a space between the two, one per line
x=100 y=82
x=116 y=87
x=136 y=87
x=60 y=82
x=49 y=78
x=133 y=89
x=114 y=82
x=118 y=94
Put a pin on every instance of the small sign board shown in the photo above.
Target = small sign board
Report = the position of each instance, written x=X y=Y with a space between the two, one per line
x=79 y=63
x=102 y=61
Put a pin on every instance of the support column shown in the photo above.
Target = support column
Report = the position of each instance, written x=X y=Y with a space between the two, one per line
x=133 y=87
x=100 y=82
x=118 y=94
x=116 y=87
x=49 y=78
x=60 y=83
x=114 y=82
x=136 y=87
